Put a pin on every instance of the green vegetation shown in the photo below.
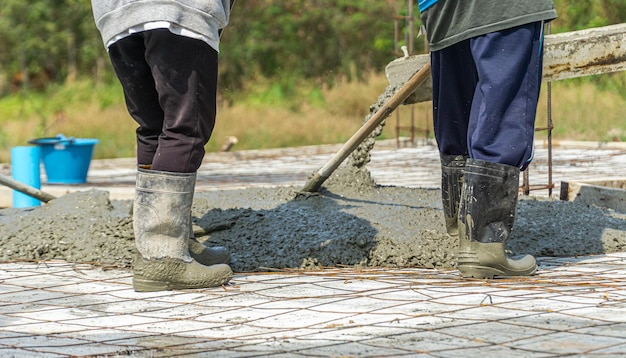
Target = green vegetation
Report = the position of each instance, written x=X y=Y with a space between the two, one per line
x=292 y=72
x=268 y=118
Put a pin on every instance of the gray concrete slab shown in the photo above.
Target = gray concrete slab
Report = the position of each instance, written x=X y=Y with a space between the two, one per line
x=410 y=166
x=574 y=306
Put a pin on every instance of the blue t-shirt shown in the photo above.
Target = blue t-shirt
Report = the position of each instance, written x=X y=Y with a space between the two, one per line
x=425 y=4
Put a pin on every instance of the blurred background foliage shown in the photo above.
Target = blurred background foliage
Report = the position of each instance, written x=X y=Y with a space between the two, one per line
x=46 y=42
x=292 y=72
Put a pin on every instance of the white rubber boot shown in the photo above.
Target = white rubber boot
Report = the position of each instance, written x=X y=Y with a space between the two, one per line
x=161 y=214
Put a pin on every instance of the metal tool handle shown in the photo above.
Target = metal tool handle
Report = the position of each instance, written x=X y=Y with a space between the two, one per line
x=28 y=190
x=405 y=91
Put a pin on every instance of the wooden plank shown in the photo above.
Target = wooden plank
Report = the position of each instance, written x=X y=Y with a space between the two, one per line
x=567 y=55
x=400 y=70
x=585 y=52
x=609 y=183
x=590 y=194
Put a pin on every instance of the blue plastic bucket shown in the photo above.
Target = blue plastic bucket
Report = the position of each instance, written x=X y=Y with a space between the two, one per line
x=25 y=169
x=66 y=160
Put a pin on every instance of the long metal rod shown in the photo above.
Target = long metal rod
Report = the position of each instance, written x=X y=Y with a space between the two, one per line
x=28 y=190
x=409 y=87
x=550 y=126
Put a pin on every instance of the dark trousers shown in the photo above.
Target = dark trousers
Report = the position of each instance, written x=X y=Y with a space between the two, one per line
x=485 y=94
x=170 y=86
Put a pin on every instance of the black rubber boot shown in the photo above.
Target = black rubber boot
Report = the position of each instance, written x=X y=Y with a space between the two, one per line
x=161 y=214
x=486 y=217
x=452 y=167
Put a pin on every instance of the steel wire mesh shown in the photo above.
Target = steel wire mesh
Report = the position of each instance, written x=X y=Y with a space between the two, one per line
x=573 y=306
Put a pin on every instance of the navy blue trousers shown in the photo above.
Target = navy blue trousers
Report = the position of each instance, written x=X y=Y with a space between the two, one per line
x=170 y=87
x=485 y=94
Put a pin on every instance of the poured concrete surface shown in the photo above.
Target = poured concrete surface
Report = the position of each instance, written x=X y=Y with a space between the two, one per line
x=360 y=269
x=352 y=221
x=574 y=306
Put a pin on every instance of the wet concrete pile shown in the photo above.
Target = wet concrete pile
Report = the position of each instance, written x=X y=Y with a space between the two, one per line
x=352 y=221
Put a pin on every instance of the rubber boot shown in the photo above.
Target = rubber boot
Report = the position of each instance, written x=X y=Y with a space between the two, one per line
x=452 y=167
x=206 y=255
x=203 y=254
x=486 y=217
x=161 y=214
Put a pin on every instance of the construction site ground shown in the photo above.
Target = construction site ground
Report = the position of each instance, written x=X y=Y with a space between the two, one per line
x=573 y=306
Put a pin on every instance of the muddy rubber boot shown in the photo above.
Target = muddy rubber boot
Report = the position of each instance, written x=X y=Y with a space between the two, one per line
x=206 y=255
x=161 y=214
x=486 y=217
x=452 y=167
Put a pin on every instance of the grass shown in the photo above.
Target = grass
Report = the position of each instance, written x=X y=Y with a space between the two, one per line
x=581 y=111
x=271 y=115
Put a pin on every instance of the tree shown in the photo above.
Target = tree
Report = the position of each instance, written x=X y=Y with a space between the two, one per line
x=46 y=41
x=318 y=39
x=53 y=41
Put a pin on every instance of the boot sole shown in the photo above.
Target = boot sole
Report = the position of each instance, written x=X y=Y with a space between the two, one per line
x=485 y=272
x=144 y=285
x=147 y=285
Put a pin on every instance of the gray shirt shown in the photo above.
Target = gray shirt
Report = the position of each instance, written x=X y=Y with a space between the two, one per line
x=204 y=17
x=451 y=21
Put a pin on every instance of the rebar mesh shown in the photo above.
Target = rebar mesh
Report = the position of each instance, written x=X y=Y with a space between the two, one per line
x=573 y=306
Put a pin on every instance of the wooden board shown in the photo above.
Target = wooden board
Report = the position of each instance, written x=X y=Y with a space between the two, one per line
x=603 y=193
x=566 y=55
